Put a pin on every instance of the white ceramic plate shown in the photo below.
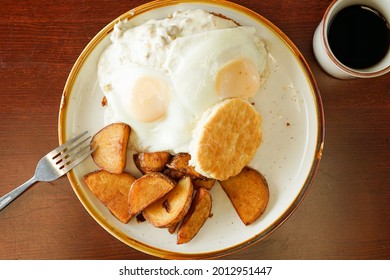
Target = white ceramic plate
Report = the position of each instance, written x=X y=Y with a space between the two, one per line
x=293 y=127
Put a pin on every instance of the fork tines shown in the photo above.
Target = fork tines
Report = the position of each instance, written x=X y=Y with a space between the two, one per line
x=71 y=153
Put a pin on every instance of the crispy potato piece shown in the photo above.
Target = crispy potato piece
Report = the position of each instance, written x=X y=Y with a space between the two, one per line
x=112 y=190
x=148 y=189
x=196 y=217
x=201 y=182
x=180 y=163
x=174 y=174
x=207 y=183
x=249 y=194
x=172 y=207
x=172 y=228
x=111 y=151
x=151 y=162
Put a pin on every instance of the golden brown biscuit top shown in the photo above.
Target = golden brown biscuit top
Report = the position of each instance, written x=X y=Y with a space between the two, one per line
x=226 y=139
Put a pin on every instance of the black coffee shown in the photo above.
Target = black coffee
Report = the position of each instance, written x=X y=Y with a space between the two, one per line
x=359 y=36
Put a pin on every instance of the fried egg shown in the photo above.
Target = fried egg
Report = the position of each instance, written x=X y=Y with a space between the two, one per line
x=210 y=66
x=163 y=92
x=144 y=99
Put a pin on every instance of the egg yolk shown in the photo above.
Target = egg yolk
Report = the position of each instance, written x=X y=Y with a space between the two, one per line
x=149 y=100
x=238 y=78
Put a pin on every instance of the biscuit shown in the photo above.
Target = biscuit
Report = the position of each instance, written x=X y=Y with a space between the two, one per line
x=225 y=139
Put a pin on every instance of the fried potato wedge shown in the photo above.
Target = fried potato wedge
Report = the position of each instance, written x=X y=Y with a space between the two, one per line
x=173 y=228
x=111 y=152
x=248 y=191
x=174 y=174
x=172 y=207
x=112 y=190
x=207 y=183
x=196 y=217
x=148 y=189
x=180 y=163
x=151 y=162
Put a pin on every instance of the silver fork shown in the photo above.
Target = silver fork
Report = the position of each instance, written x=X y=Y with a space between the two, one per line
x=55 y=164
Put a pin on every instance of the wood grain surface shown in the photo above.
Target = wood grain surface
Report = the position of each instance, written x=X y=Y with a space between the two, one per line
x=345 y=214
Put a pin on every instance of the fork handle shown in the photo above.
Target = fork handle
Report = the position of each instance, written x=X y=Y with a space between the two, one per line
x=9 y=197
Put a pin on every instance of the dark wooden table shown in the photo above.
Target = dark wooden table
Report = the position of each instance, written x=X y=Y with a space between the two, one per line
x=345 y=214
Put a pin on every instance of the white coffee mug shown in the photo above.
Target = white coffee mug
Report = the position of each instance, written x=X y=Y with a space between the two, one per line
x=324 y=54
